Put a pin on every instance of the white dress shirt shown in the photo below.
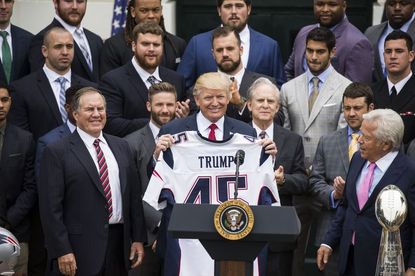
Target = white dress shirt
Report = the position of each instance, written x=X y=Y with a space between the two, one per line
x=269 y=132
x=56 y=87
x=144 y=74
x=203 y=126
x=399 y=85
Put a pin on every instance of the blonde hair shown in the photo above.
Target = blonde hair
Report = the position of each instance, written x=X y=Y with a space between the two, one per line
x=212 y=80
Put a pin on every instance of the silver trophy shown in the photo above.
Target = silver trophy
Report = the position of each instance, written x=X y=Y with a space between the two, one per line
x=391 y=210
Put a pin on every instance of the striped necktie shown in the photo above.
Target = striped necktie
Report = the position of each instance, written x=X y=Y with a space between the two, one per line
x=62 y=98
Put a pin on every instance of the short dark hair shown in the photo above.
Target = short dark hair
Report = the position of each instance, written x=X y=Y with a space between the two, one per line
x=398 y=34
x=225 y=31
x=161 y=87
x=357 y=90
x=247 y=2
x=70 y=93
x=46 y=36
x=78 y=94
x=322 y=34
x=149 y=27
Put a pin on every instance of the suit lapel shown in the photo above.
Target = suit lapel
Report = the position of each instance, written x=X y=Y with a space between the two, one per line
x=279 y=139
x=8 y=143
x=81 y=152
x=353 y=176
x=94 y=52
x=343 y=147
x=254 y=49
x=245 y=83
x=119 y=157
x=48 y=96
x=148 y=140
x=136 y=82
x=16 y=46
x=301 y=91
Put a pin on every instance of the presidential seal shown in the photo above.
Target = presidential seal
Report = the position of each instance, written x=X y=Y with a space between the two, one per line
x=234 y=219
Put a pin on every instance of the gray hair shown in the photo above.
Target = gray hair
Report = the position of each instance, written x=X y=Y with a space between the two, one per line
x=85 y=90
x=263 y=81
x=389 y=124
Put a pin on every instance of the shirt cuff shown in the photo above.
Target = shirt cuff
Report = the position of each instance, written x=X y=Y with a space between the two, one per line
x=333 y=203
x=326 y=245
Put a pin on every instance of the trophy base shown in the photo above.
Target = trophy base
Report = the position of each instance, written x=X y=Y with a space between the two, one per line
x=390 y=257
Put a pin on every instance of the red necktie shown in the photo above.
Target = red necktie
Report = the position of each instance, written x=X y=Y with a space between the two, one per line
x=212 y=135
x=103 y=176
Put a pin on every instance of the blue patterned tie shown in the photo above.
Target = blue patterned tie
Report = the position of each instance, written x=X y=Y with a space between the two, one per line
x=62 y=98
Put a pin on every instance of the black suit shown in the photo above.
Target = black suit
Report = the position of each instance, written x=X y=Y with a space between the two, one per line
x=20 y=50
x=17 y=181
x=116 y=52
x=126 y=96
x=79 y=65
x=73 y=205
x=403 y=104
x=34 y=105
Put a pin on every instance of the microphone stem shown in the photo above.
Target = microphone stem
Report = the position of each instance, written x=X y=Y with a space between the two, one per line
x=235 y=194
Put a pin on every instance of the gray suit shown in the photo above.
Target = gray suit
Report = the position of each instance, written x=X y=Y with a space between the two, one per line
x=374 y=33
x=142 y=145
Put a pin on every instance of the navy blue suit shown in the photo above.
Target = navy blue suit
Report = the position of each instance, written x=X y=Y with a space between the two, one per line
x=189 y=123
x=368 y=230
x=264 y=58
x=20 y=59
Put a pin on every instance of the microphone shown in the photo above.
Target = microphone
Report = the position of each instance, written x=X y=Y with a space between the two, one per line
x=239 y=160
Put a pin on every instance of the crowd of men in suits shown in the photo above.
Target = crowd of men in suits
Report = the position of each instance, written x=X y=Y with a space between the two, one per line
x=83 y=121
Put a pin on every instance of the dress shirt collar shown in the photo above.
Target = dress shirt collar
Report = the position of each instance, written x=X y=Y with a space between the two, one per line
x=71 y=126
x=269 y=131
x=203 y=124
x=154 y=129
x=68 y=27
x=88 y=139
x=399 y=85
x=350 y=131
x=143 y=73
x=322 y=77
x=404 y=27
x=52 y=75
x=244 y=34
x=238 y=76
x=383 y=163
x=8 y=30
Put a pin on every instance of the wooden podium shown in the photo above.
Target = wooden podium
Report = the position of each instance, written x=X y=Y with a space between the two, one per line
x=277 y=225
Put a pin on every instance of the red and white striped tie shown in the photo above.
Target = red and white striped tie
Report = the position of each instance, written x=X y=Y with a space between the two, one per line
x=103 y=176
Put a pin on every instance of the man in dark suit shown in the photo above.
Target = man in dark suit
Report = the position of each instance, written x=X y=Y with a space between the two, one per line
x=227 y=51
x=89 y=196
x=59 y=132
x=355 y=229
x=87 y=44
x=290 y=172
x=14 y=62
x=396 y=91
x=126 y=88
x=261 y=53
x=117 y=49
x=354 y=54
x=39 y=97
x=331 y=161
x=144 y=144
x=400 y=16
x=17 y=185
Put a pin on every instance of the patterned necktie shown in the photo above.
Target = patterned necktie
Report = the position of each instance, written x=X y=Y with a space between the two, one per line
x=312 y=98
x=393 y=94
x=84 y=49
x=212 y=136
x=354 y=145
x=263 y=134
x=7 y=56
x=152 y=80
x=363 y=193
x=62 y=98
x=103 y=176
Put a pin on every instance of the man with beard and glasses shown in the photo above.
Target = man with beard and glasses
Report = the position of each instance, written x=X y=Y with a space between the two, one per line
x=354 y=54
x=126 y=88
x=69 y=15
x=261 y=53
x=227 y=51
x=144 y=144
x=312 y=106
x=400 y=15
x=117 y=49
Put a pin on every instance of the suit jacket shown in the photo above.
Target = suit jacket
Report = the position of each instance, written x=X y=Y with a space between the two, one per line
x=17 y=185
x=354 y=54
x=264 y=58
x=34 y=105
x=126 y=96
x=73 y=204
x=142 y=145
x=52 y=136
x=363 y=222
x=116 y=52
x=20 y=60
x=403 y=104
x=291 y=156
x=189 y=123
x=331 y=160
x=326 y=115
x=79 y=65
x=374 y=33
